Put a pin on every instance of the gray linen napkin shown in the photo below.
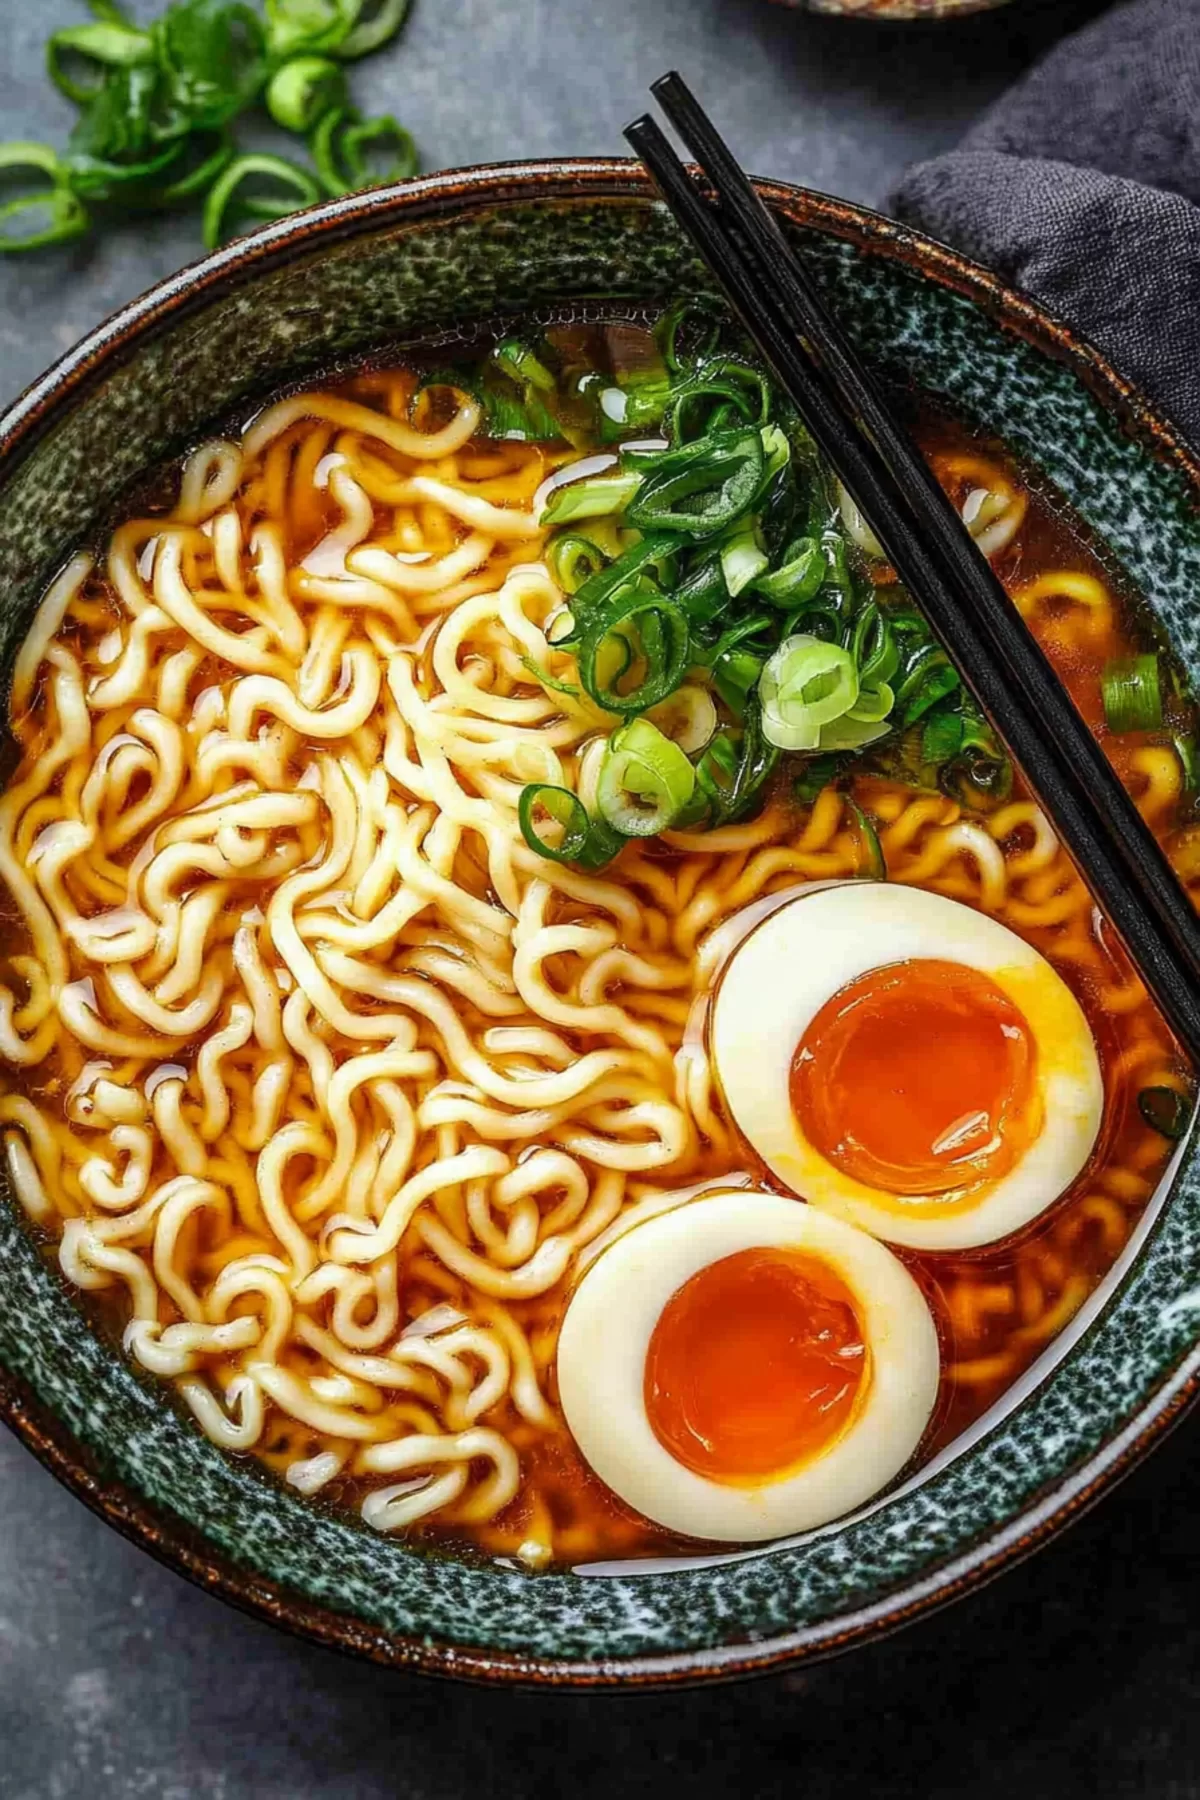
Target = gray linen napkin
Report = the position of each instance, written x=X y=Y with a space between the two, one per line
x=1082 y=187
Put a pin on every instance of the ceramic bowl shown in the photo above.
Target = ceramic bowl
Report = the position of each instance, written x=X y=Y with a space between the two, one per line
x=368 y=274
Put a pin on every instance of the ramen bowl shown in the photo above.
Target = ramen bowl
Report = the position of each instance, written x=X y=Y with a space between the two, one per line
x=369 y=275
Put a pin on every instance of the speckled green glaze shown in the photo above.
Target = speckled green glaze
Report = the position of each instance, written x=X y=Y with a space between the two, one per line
x=310 y=302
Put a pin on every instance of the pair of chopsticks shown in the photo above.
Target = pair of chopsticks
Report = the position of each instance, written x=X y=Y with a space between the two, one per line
x=932 y=552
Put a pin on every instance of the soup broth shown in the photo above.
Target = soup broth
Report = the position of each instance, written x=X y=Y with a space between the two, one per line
x=324 y=1085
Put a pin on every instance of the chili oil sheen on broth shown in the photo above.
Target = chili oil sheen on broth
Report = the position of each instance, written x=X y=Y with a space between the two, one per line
x=409 y=797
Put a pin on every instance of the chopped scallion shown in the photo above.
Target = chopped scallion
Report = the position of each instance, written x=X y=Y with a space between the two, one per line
x=871 y=864
x=303 y=91
x=238 y=193
x=645 y=781
x=1132 y=694
x=591 y=498
x=805 y=686
x=573 y=836
x=572 y=560
x=742 y=559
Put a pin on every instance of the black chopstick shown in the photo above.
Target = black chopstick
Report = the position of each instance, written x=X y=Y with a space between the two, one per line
x=934 y=555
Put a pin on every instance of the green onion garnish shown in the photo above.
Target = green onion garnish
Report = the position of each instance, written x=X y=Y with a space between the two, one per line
x=1165 y=1111
x=573 y=559
x=1132 y=694
x=258 y=187
x=871 y=864
x=699 y=488
x=805 y=686
x=645 y=782
x=796 y=581
x=742 y=559
x=661 y=633
x=576 y=838
x=1185 y=749
x=592 y=498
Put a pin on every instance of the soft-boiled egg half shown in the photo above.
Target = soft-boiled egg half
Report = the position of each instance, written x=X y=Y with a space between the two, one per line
x=744 y=1367
x=907 y=1063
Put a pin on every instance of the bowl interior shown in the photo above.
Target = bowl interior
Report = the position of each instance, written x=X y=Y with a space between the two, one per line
x=535 y=243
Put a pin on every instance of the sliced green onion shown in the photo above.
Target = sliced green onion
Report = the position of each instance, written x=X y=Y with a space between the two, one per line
x=200 y=176
x=99 y=178
x=645 y=781
x=109 y=44
x=798 y=578
x=340 y=141
x=642 y=559
x=806 y=685
x=926 y=675
x=298 y=26
x=302 y=91
x=702 y=592
x=377 y=24
x=51 y=213
x=226 y=209
x=523 y=364
x=662 y=633
x=733 y=771
x=871 y=864
x=1165 y=1111
x=672 y=322
x=573 y=559
x=579 y=839
x=777 y=449
x=736 y=674
x=702 y=488
x=853 y=734
x=211 y=58
x=378 y=151
x=873 y=704
x=688 y=717
x=634 y=403
x=719 y=392
x=1132 y=694
x=591 y=498
x=743 y=559
x=1185 y=749
x=873 y=646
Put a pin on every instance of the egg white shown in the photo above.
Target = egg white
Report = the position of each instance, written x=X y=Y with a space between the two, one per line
x=606 y=1335
x=781 y=976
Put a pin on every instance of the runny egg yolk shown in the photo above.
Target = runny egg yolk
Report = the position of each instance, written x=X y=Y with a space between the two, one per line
x=917 y=1078
x=755 y=1365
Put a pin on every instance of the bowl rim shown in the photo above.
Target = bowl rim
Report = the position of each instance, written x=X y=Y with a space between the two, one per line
x=429 y=199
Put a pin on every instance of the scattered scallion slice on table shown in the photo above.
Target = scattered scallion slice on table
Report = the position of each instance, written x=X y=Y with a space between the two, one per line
x=157 y=105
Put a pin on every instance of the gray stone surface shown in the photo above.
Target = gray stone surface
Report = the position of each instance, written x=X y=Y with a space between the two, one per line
x=1078 y=1674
